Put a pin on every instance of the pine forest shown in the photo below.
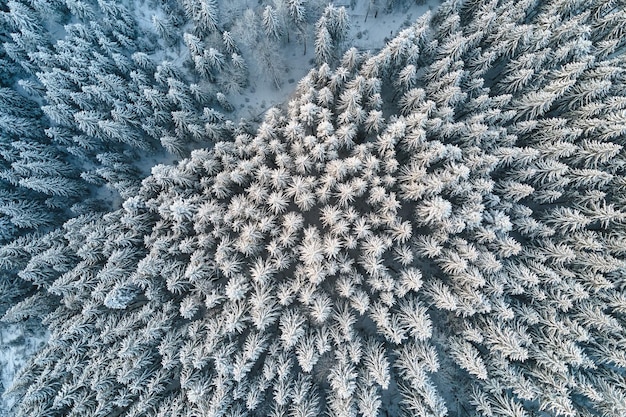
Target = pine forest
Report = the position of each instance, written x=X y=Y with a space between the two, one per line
x=368 y=208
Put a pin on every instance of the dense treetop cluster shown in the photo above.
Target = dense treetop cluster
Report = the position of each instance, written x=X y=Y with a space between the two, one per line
x=435 y=229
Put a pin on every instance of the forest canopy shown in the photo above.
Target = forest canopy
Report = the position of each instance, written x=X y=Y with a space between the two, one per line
x=433 y=229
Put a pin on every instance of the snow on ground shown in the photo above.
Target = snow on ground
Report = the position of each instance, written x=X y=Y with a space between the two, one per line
x=368 y=32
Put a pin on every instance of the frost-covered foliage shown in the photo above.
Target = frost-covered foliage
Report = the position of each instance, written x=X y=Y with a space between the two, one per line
x=113 y=91
x=105 y=98
x=94 y=92
x=437 y=229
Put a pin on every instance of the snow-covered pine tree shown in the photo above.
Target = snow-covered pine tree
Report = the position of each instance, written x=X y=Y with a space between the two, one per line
x=323 y=45
x=271 y=23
